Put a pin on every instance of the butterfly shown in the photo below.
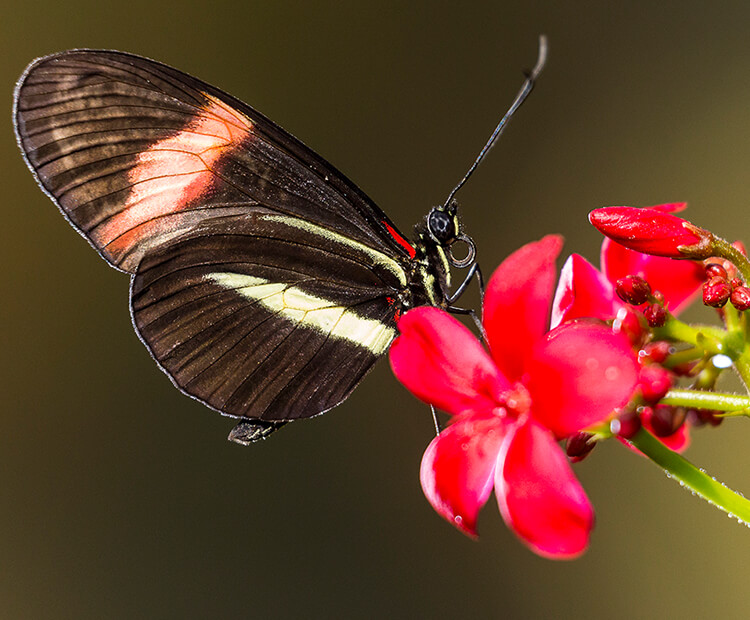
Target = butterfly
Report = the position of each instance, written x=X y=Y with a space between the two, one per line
x=263 y=282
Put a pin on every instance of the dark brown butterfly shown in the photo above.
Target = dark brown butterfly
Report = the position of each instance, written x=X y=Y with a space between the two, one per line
x=263 y=281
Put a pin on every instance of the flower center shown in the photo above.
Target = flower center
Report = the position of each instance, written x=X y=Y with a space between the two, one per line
x=517 y=400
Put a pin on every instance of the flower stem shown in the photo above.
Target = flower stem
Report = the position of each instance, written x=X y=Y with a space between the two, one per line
x=732 y=318
x=698 y=335
x=726 y=250
x=706 y=400
x=742 y=366
x=693 y=478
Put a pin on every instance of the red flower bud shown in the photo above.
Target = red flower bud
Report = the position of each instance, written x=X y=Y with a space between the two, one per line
x=652 y=232
x=740 y=298
x=655 y=352
x=654 y=382
x=579 y=445
x=633 y=290
x=666 y=420
x=626 y=322
x=656 y=315
x=626 y=425
x=714 y=270
x=716 y=292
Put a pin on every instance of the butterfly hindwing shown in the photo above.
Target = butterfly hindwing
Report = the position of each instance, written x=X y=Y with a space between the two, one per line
x=265 y=316
x=136 y=153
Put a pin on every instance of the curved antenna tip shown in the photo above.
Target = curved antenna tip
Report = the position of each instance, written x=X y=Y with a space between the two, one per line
x=526 y=88
x=542 y=55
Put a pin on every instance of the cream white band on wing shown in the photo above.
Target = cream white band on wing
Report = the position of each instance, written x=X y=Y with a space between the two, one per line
x=323 y=315
x=377 y=258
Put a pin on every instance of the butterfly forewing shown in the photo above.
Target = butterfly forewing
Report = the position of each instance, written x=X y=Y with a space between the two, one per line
x=265 y=283
x=135 y=152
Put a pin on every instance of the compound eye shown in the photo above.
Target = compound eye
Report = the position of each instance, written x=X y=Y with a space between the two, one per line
x=441 y=226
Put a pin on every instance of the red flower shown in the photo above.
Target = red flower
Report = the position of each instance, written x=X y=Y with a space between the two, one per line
x=585 y=291
x=512 y=406
x=653 y=231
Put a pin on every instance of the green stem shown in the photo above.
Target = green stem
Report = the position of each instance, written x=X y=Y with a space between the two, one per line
x=697 y=335
x=732 y=318
x=706 y=400
x=742 y=366
x=724 y=249
x=684 y=356
x=693 y=478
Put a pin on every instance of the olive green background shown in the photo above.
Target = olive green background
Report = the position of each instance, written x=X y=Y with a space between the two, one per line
x=120 y=498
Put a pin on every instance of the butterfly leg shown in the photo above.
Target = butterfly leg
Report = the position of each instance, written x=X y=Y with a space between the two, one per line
x=474 y=270
x=472 y=314
x=248 y=431
x=435 y=420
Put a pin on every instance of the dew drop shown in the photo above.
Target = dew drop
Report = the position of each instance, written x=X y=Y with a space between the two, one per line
x=721 y=361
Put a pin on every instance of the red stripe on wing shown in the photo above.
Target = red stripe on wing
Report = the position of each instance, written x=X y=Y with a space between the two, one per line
x=400 y=240
x=172 y=175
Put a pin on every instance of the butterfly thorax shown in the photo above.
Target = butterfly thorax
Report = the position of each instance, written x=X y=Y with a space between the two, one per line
x=430 y=279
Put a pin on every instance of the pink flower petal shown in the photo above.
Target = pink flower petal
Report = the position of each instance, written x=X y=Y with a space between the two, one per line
x=583 y=291
x=679 y=281
x=578 y=375
x=458 y=468
x=539 y=496
x=442 y=363
x=517 y=303
x=652 y=231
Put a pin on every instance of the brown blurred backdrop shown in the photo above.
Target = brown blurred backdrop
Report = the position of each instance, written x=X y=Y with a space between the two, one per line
x=120 y=498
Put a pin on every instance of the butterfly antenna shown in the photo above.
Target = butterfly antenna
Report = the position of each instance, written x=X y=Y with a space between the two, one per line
x=526 y=88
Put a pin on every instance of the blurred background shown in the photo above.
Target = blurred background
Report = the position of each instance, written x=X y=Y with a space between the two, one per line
x=120 y=498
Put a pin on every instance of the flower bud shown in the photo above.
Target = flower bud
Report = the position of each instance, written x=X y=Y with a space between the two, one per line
x=716 y=292
x=633 y=290
x=626 y=425
x=666 y=420
x=656 y=315
x=579 y=445
x=626 y=322
x=714 y=270
x=655 y=352
x=655 y=382
x=740 y=298
x=653 y=232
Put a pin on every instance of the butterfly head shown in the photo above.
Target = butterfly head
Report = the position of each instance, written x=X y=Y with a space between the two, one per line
x=443 y=228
